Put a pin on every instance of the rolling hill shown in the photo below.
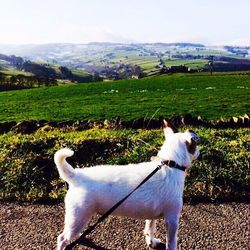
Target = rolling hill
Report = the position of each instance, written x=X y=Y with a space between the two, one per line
x=119 y=61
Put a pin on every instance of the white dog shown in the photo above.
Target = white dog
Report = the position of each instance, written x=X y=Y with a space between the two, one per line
x=95 y=190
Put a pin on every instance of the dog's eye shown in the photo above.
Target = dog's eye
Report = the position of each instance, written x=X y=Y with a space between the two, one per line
x=196 y=141
x=195 y=138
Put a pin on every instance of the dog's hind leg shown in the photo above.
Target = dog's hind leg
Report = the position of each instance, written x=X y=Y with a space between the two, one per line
x=172 y=228
x=149 y=231
x=76 y=218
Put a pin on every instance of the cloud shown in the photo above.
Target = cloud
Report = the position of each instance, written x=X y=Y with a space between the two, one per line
x=189 y=39
x=86 y=34
x=239 y=42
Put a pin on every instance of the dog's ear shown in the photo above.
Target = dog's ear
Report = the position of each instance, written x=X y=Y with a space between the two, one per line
x=168 y=128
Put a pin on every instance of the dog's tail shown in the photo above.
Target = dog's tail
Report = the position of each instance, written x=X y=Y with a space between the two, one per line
x=65 y=170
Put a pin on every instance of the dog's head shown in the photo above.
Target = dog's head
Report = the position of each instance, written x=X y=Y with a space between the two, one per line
x=179 y=147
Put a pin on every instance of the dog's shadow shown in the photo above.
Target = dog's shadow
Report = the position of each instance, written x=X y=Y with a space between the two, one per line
x=89 y=243
x=161 y=246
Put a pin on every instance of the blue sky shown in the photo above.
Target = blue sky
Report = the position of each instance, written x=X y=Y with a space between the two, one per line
x=212 y=22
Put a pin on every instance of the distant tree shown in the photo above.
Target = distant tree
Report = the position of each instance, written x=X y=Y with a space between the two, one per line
x=161 y=62
x=2 y=78
x=39 y=69
x=211 y=64
x=66 y=73
x=96 y=77
x=13 y=80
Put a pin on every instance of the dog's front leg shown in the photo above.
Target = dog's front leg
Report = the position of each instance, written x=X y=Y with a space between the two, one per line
x=172 y=229
x=149 y=231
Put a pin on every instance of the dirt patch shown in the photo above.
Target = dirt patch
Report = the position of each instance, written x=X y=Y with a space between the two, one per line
x=202 y=226
x=28 y=127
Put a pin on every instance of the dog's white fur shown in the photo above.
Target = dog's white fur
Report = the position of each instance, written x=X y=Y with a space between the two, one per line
x=96 y=189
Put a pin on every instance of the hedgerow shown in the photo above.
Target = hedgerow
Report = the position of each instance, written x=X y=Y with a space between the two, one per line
x=27 y=171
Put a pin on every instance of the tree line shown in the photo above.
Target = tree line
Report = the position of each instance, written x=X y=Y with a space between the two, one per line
x=24 y=82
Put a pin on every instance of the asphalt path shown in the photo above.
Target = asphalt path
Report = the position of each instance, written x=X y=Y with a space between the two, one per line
x=202 y=226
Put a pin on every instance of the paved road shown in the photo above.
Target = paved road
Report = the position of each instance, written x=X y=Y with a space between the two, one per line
x=202 y=226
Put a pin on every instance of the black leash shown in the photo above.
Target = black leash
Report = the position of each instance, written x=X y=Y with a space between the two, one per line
x=112 y=209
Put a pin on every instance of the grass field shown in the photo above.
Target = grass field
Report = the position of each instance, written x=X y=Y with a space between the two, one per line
x=13 y=72
x=193 y=64
x=211 y=97
x=26 y=160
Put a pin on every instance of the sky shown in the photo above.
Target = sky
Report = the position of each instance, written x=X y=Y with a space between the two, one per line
x=211 y=22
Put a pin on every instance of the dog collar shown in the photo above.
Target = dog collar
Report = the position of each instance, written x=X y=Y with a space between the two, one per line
x=173 y=164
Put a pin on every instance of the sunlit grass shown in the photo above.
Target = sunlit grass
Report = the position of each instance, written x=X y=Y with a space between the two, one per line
x=210 y=97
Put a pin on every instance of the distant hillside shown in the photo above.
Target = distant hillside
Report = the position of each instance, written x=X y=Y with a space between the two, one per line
x=111 y=61
x=18 y=73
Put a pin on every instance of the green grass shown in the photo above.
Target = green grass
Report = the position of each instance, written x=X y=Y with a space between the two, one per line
x=147 y=63
x=27 y=171
x=210 y=97
x=193 y=64
x=79 y=72
x=12 y=72
x=7 y=69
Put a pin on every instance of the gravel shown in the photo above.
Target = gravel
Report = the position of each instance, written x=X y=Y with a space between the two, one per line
x=202 y=226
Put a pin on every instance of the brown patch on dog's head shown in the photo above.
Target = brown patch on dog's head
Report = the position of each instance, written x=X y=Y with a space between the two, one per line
x=191 y=141
x=191 y=146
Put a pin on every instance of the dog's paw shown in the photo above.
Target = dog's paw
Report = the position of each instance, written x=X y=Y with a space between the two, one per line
x=156 y=244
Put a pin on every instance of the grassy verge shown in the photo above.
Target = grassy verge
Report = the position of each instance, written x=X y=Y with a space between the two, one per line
x=27 y=171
